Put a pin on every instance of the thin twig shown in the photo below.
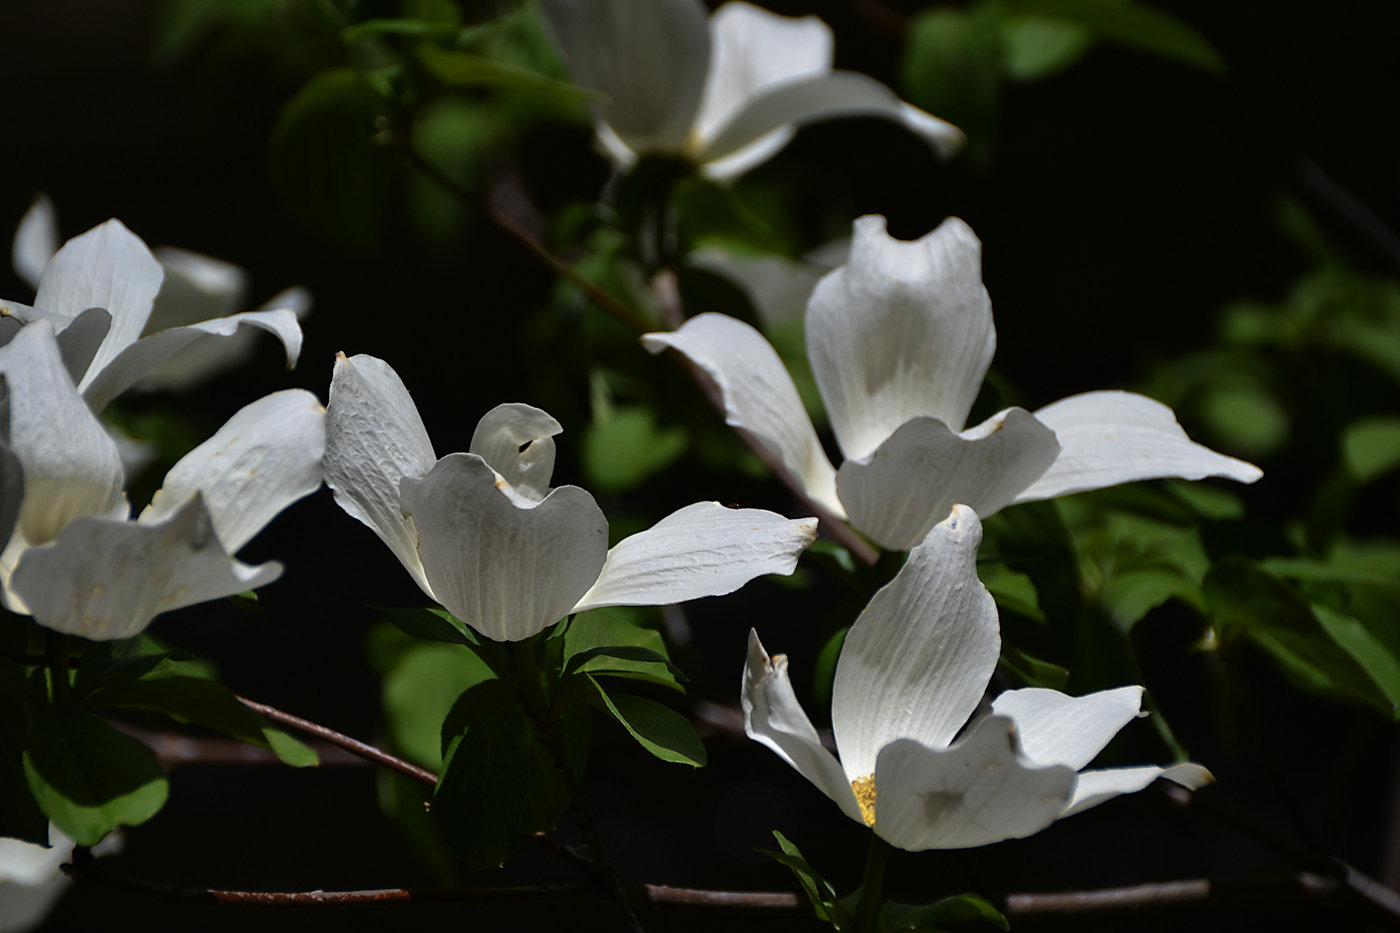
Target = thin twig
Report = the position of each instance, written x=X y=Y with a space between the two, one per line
x=353 y=746
x=625 y=315
x=174 y=750
x=1348 y=208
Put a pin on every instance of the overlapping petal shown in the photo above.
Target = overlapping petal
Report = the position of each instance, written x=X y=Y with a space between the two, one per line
x=506 y=569
x=918 y=658
x=918 y=473
x=1096 y=787
x=704 y=549
x=71 y=465
x=1064 y=730
x=264 y=458
x=1110 y=437
x=36 y=240
x=517 y=441
x=375 y=438
x=105 y=579
x=759 y=396
x=648 y=58
x=903 y=330
x=973 y=793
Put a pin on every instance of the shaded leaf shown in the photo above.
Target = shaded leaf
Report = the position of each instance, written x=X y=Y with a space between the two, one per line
x=659 y=729
x=950 y=911
x=20 y=816
x=1135 y=26
x=607 y=628
x=89 y=778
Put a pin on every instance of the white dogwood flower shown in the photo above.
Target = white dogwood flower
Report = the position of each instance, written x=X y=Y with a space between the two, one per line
x=912 y=670
x=899 y=339
x=483 y=534
x=153 y=304
x=74 y=561
x=725 y=91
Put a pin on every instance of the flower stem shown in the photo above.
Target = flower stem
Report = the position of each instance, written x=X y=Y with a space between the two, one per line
x=545 y=723
x=871 y=892
x=56 y=646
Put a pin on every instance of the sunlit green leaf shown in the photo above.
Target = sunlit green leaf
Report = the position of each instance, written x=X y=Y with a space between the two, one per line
x=89 y=778
x=419 y=691
x=628 y=447
x=1371 y=447
x=659 y=729
x=1037 y=47
x=952 y=66
x=609 y=628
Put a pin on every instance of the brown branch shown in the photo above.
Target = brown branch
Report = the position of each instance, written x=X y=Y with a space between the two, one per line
x=174 y=750
x=353 y=746
x=1349 y=209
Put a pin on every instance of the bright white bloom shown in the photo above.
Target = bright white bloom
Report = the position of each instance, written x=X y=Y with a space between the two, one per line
x=31 y=880
x=154 y=306
x=899 y=339
x=913 y=669
x=484 y=534
x=74 y=561
x=725 y=91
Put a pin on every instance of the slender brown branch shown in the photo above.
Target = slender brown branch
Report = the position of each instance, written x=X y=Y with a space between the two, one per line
x=507 y=222
x=175 y=750
x=1349 y=209
x=353 y=746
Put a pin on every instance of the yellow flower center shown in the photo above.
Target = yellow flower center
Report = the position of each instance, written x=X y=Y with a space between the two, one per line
x=864 y=788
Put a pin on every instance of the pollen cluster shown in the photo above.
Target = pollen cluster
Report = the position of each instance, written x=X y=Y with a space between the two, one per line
x=864 y=788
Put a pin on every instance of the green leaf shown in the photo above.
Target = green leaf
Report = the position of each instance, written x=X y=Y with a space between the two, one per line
x=1013 y=591
x=629 y=653
x=1249 y=603
x=628 y=447
x=956 y=910
x=609 y=628
x=818 y=890
x=498 y=781
x=431 y=625
x=1032 y=671
x=659 y=729
x=1371 y=447
x=89 y=778
x=952 y=67
x=466 y=69
x=1135 y=26
x=418 y=693
x=205 y=703
x=326 y=162
x=1037 y=47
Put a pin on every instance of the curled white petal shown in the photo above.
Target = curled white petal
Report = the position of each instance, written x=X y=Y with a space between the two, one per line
x=264 y=458
x=704 y=549
x=36 y=240
x=759 y=396
x=1111 y=437
x=1096 y=787
x=773 y=717
x=902 y=330
x=517 y=441
x=915 y=476
x=917 y=660
x=1064 y=730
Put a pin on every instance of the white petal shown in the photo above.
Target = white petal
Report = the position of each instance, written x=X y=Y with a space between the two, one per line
x=911 y=480
x=813 y=98
x=80 y=338
x=918 y=659
x=36 y=240
x=1110 y=437
x=196 y=287
x=1056 y=729
x=107 y=267
x=11 y=489
x=647 y=57
x=31 y=880
x=773 y=717
x=375 y=438
x=903 y=329
x=71 y=465
x=105 y=579
x=517 y=441
x=704 y=549
x=752 y=51
x=263 y=459
x=137 y=359
x=977 y=792
x=1095 y=787
x=776 y=286
x=759 y=396
x=506 y=571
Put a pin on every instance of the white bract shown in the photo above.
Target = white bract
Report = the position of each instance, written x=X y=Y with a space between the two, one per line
x=899 y=340
x=31 y=880
x=912 y=670
x=74 y=561
x=725 y=91
x=483 y=533
x=153 y=303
